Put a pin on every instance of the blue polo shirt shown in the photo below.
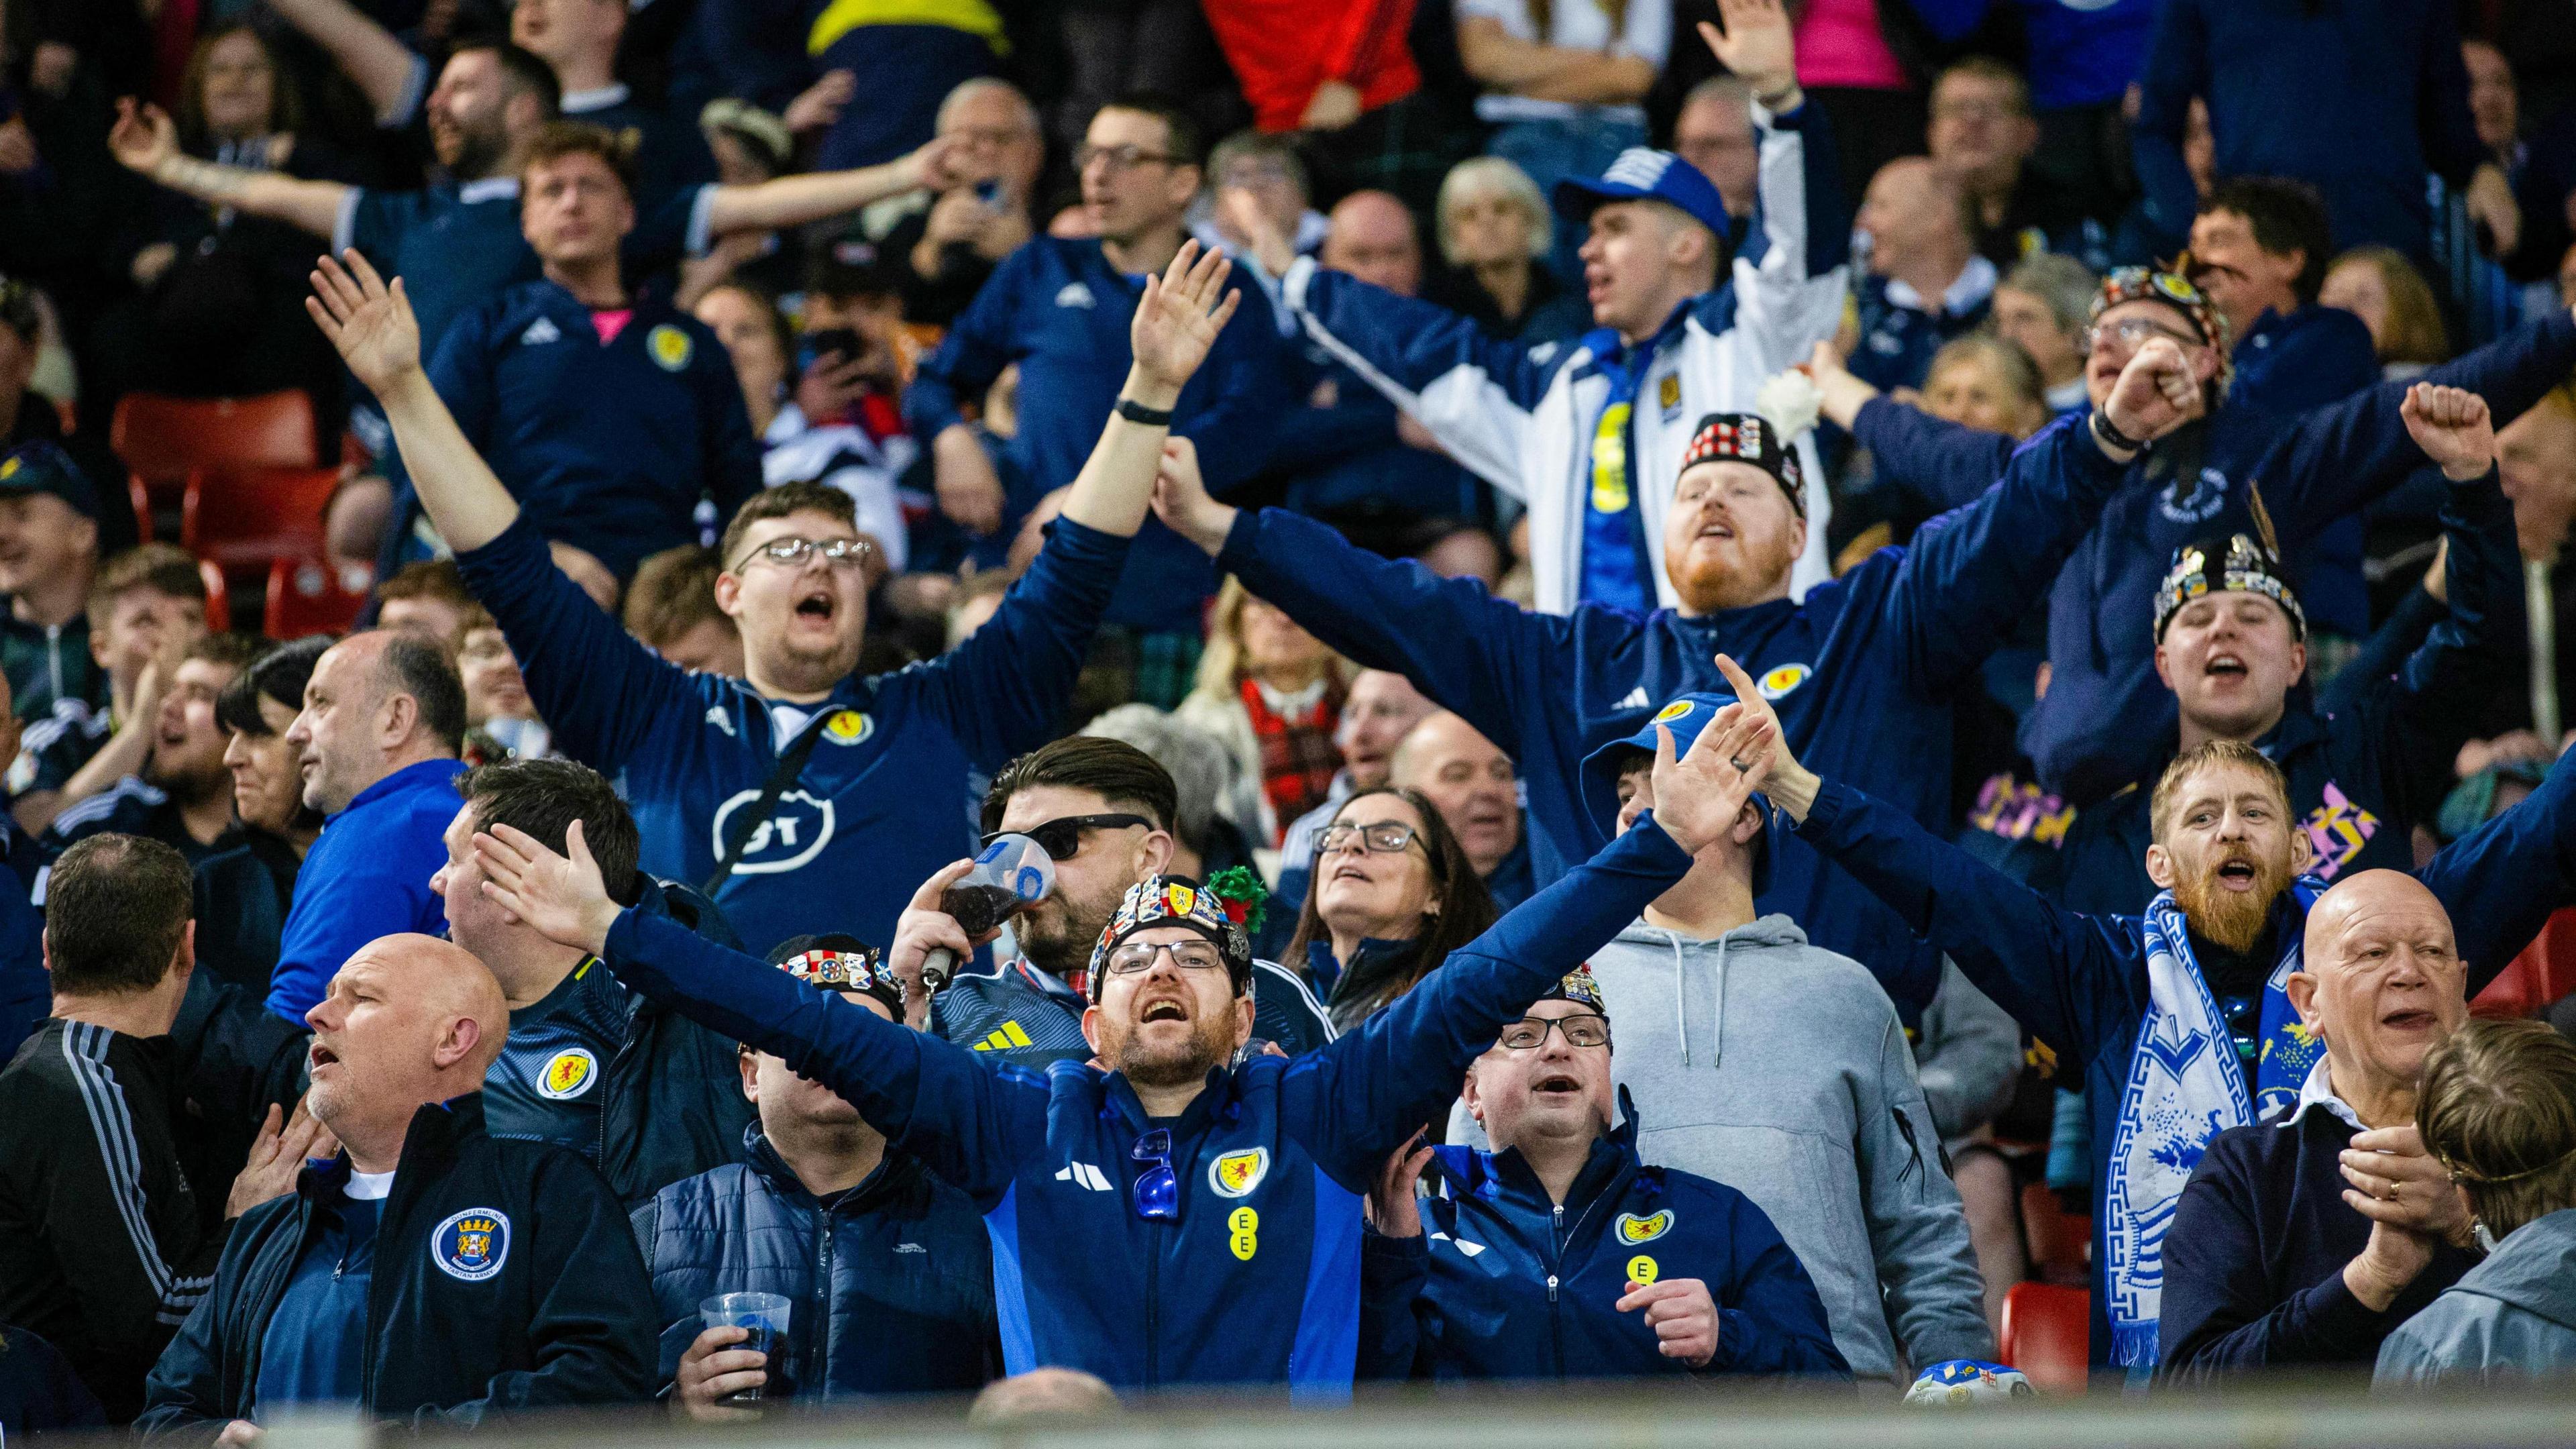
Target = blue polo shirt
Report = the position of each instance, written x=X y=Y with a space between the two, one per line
x=367 y=876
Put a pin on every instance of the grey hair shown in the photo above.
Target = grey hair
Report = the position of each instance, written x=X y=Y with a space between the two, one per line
x=1202 y=771
x=968 y=89
x=1493 y=175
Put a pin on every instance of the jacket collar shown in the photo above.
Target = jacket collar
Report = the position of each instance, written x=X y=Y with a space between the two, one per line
x=436 y=1130
x=1220 y=1102
x=892 y=1171
x=426 y=775
x=1506 y=1177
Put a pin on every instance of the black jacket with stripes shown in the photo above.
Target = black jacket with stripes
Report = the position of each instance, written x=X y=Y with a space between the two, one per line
x=104 y=1245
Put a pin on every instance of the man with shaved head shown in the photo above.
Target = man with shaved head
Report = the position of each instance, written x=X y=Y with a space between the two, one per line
x=1474 y=786
x=519 y=1281
x=2303 y=1239
x=376 y=743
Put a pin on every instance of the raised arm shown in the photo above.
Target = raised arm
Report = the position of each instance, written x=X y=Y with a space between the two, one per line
x=1366 y=1092
x=795 y=200
x=1485 y=658
x=2056 y=971
x=1789 y=281
x=600 y=689
x=929 y=1097
x=1970 y=575
x=2502 y=881
x=393 y=78
x=2177 y=71
x=146 y=140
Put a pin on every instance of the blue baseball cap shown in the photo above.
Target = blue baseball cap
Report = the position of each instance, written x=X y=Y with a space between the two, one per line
x=43 y=467
x=1644 y=174
x=1686 y=716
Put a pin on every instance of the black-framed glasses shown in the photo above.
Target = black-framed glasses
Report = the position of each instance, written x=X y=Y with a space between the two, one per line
x=1158 y=1188
x=1061 y=838
x=792 y=552
x=1120 y=158
x=1385 y=837
x=1136 y=957
x=1583 y=1029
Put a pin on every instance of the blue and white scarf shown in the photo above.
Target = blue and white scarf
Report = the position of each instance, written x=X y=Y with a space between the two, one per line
x=2185 y=1087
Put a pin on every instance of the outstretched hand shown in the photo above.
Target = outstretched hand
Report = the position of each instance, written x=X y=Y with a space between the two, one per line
x=1392 y=1209
x=370 y=323
x=2453 y=427
x=1700 y=792
x=1757 y=46
x=1182 y=501
x=1179 y=317
x=143 y=137
x=560 y=897
x=1790 y=785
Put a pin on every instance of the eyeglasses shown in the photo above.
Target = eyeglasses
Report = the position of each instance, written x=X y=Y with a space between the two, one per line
x=1061 y=838
x=1187 y=955
x=1584 y=1029
x=1158 y=1188
x=1385 y=837
x=1120 y=158
x=792 y=553
x=2133 y=332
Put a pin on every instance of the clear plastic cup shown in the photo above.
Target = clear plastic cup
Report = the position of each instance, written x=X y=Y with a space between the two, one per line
x=765 y=1314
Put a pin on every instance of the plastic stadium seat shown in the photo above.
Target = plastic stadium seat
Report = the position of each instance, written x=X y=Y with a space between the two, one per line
x=305 y=596
x=164 y=439
x=2544 y=972
x=2061 y=1243
x=2047 y=1335
x=249 y=518
x=219 y=597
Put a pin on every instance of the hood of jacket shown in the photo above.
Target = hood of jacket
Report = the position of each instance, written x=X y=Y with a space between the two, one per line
x=2533 y=1269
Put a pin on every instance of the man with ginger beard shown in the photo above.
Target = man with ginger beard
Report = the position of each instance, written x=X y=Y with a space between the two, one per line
x=2185 y=1021
x=1862 y=670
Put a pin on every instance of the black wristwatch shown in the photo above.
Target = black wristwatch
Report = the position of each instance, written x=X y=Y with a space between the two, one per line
x=1136 y=412
x=2112 y=437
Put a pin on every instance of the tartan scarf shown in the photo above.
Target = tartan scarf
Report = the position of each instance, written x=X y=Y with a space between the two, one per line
x=1298 y=756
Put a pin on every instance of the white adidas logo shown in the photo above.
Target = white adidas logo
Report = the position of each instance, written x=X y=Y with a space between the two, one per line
x=1075 y=294
x=1085 y=1174
x=540 y=332
x=1635 y=699
x=1640 y=167
x=1468 y=1248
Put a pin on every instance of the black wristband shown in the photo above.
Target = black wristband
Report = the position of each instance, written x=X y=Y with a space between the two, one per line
x=2112 y=437
x=1136 y=412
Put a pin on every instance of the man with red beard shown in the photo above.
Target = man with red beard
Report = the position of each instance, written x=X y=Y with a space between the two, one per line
x=1862 y=669
x=2182 y=1022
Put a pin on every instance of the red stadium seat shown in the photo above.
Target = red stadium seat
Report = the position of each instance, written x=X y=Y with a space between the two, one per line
x=2061 y=1243
x=249 y=518
x=219 y=597
x=305 y=597
x=164 y=439
x=2544 y=972
x=2047 y=1335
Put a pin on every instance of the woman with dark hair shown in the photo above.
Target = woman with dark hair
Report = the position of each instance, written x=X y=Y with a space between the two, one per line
x=1393 y=895
x=246 y=884
x=218 y=307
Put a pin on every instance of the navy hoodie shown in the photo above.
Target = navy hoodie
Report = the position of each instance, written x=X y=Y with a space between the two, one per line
x=2106 y=713
x=1862 y=671
x=1258 y=1278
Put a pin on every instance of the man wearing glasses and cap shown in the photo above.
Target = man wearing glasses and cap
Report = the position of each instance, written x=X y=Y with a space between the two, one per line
x=806 y=796
x=1662 y=1272
x=1160 y=1216
x=2097 y=726
x=886 y=1266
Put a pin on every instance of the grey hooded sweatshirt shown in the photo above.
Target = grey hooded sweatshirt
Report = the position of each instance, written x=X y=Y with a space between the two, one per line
x=1780 y=1069
x=2513 y=1315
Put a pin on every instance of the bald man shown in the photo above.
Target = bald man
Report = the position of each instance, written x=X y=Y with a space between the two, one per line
x=1373 y=238
x=519 y=1280
x=1477 y=792
x=1043 y=1396
x=2303 y=1239
x=1926 y=283
x=376 y=742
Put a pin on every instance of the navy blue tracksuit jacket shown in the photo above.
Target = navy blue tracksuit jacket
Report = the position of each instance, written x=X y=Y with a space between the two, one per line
x=1061 y=311
x=2079 y=982
x=608 y=448
x=2374 y=760
x=882 y=801
x=1861 y=671
x=2106 y=712
x=1504 y=1283
x=1258 y=1280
